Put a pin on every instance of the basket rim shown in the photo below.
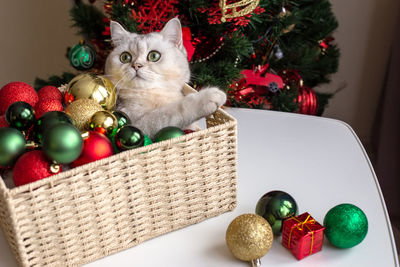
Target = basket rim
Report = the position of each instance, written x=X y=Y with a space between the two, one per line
x=10 y=192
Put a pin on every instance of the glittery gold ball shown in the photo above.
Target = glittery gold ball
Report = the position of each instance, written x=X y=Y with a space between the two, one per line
x=249 y=237
x=92 y=86
x=80 y=112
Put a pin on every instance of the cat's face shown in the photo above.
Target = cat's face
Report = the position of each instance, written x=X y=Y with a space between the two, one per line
x=154 y=60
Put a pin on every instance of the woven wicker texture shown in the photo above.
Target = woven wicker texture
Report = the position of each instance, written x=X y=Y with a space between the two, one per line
x=106 y=206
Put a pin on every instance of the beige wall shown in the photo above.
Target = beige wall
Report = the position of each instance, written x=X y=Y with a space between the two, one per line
x=364 y=36
x=35 y=34
x=34 y=38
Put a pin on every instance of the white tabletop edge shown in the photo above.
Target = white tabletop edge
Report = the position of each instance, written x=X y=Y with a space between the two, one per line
x=396 y=259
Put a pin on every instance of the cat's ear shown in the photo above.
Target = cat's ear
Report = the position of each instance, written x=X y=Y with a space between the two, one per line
x=172 y=31
x=118 y=33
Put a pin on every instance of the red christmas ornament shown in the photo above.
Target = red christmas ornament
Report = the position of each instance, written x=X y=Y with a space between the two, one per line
x=3 y=122
x=50 y=92
x=188 y=131
x=96 y=146
x=30 y=167
x=46 y=105
x=17 y=91
x=307 y=100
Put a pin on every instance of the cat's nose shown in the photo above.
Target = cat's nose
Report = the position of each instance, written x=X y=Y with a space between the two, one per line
x=137 y=66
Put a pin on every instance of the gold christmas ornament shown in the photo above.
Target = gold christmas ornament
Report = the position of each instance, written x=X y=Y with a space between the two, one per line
x=285 y=13
x=80 y=112
x=92 y=86
x=249 y=237
x=104 y=122
x=247 y=6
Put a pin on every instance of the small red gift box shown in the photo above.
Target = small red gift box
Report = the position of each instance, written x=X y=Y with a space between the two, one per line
x=302 y=235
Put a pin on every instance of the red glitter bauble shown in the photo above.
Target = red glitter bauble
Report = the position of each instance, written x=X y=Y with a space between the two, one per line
x=96 y=146
x=30 y=167
x=50 y=92
x=17 y=91
x=3 y=122
x=47 y=105
x=307 y=100
x=188 y=131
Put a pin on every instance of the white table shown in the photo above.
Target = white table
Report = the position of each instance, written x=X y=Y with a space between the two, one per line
x=319 y=161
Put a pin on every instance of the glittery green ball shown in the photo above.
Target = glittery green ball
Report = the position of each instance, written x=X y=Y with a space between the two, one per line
x=345 y=225
x=63 y=143
x=82 y=56
x=168 y=133
x=12 y=145
x=20 y=115
x=275 y=207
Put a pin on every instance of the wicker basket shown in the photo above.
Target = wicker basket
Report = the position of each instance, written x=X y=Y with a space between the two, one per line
x=95 y=210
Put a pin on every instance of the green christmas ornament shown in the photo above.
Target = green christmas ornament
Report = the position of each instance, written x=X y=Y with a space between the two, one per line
x=20 y=115
x=46 y=121
x=275 y=207
x=168 y=133
x=129 y=137
x=345 y=225
x=62 y=143
x=147 y=140
x=82 y=56
x=112 y=139
x=12 y=145
x=122 y=118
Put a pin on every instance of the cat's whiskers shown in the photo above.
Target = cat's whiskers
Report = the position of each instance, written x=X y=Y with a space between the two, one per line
x=149 y=75
x=124 y=75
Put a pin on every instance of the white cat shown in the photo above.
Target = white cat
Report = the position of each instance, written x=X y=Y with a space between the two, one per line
x=149 y=71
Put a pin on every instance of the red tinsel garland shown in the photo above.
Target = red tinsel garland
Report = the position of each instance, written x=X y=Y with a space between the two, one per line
x=152 y=15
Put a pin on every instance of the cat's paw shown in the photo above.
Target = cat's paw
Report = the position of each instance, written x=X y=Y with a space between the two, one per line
x=211 y=98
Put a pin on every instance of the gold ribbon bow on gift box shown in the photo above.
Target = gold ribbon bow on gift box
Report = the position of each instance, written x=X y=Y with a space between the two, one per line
x=300 y=226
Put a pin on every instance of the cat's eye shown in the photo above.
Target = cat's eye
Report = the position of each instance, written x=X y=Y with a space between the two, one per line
x=125 y=57
x=153 y=56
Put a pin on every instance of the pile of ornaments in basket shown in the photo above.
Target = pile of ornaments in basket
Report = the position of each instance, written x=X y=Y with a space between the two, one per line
x=249 y=236
x=54 y=128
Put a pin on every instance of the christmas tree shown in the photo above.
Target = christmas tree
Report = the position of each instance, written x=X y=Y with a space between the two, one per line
x=266 y=54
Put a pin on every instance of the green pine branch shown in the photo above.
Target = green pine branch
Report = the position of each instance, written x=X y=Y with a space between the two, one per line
x=88 y=20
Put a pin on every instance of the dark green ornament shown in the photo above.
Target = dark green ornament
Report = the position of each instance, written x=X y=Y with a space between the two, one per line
x=345 y=225
x=122 y=118
x=62 y=143
x=82 y=56
x=47 y=120
x=129 y=137
x=20 y=115
x=275 y=207
x=12 y=145
x=168 y=133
